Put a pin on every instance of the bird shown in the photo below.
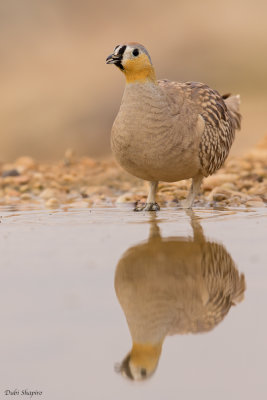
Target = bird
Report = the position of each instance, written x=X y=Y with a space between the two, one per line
x=169 y=131
x=173 y=286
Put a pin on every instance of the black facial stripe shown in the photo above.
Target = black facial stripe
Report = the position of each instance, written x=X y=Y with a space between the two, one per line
x=119 y=57
x=122 y=50
x=126 y=368
x=119 y=65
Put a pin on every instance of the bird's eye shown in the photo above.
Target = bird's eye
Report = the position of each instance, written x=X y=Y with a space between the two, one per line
x=143 y=372
x=135 y=52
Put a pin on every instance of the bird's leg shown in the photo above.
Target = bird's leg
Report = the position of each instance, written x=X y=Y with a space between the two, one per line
x=194 y=189
x=196 y=226
x=151 y=204
x=154 y=231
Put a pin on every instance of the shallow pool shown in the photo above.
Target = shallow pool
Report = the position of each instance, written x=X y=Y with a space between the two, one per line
x=112 y=304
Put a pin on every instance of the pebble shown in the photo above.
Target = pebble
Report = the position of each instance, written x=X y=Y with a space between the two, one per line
x=218 y=195
x=26 y=197
x=126 y=198
x=68 y=178
x=229 y=186
x=48 y=193
x=85 y=182
x=52 y=203
x=10 y=192
x=79 y=204
x=218 y=179
x=88 y=162
x=255 y=203
x=22 y=179
x=10 y=172
x=24 y=188
x=181 y=194
x=25 y=163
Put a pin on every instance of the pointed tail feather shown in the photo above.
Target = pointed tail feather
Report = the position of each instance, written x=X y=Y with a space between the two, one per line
x=240 y=290
x=233 y=103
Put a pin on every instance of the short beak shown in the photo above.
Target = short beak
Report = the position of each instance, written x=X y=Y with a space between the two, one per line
x=112 y=59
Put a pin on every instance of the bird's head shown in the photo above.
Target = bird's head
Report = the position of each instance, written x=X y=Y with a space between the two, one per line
x=141 y=362
x=134 y=61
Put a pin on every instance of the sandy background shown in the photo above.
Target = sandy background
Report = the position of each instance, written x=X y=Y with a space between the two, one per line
x=57 y=92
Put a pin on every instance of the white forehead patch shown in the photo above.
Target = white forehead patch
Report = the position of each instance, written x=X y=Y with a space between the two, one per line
x=127 y=51
x=116 y=50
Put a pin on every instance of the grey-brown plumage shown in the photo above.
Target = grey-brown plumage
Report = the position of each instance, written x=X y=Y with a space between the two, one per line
x=170 y=286
x=169 y=131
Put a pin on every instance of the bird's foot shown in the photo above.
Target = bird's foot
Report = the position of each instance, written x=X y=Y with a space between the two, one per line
x=147 y=207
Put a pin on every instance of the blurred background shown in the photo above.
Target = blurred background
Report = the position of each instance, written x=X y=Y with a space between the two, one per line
x=58 y=93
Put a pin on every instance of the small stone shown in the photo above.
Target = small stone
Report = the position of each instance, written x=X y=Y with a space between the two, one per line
x=24 y=188
x=260 y=172
x=37 y=175
x=219 y=196
x=171 y=204
x=48 y=193
x=181 y=194
x=257 y=154
x=83 y=192
x=218 y=179
x=259 y=190
x=23 y=179
x=241 y=181
x=25 y=163
x=36 y=192
x=125 y=198
x=166 y=188
x=229 y=186
x=55 y=185
x=11 y=192
x=88 y=162
x=37 y=185
x=256 y=198
x=245 y=184
x=255 y=203
x=182 y=185
x=67 y=178
x=53 y=202
x=79 y=204
x=25 y=197
x=10 y=172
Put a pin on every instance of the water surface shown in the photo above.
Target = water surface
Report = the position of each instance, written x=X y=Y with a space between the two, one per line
x=92 y=300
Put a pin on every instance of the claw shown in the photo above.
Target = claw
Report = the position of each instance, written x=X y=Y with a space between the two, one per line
x=147 y=207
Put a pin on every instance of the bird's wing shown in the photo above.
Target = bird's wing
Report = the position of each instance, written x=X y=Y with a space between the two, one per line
x=194 y=99
x=225 y=285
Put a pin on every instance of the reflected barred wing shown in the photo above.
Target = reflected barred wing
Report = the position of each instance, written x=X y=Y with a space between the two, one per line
x=225 y=285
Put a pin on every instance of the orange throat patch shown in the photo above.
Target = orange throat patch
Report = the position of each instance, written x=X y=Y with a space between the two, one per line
x=139 y=70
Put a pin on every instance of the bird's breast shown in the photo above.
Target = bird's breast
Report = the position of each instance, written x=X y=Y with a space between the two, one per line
x=149 y=141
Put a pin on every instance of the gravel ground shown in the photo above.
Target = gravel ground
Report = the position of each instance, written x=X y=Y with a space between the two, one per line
x=85 y=182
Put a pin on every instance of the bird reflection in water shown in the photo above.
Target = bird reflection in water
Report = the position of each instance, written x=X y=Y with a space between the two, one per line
x=169 y=286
